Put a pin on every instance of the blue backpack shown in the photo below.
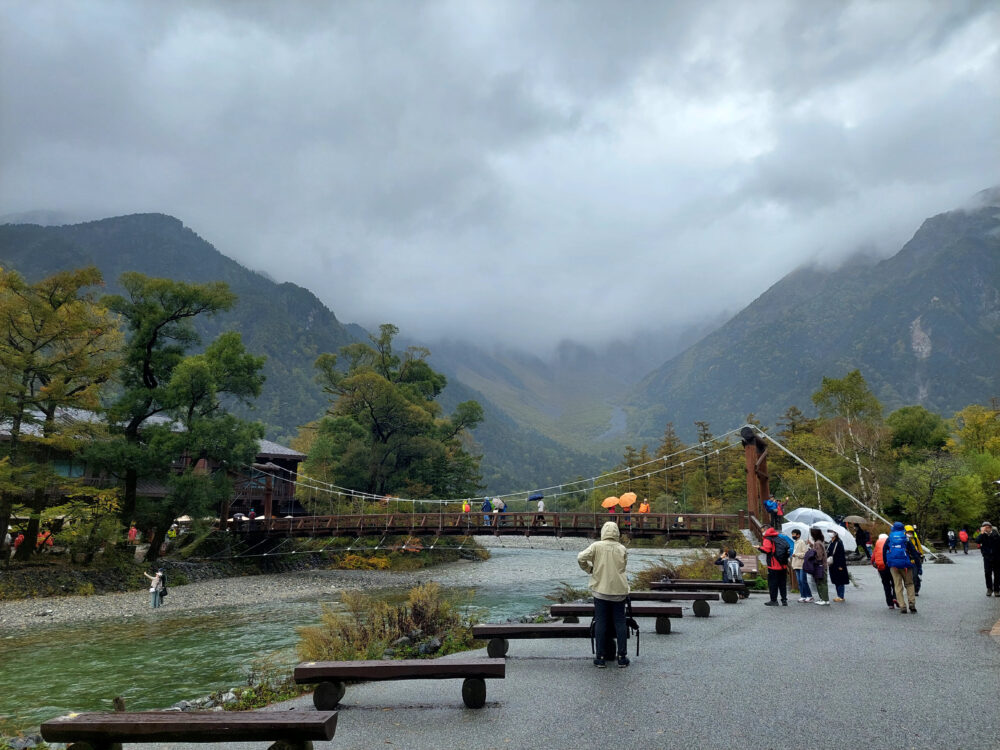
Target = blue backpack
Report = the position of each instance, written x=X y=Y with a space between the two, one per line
x=896 y=555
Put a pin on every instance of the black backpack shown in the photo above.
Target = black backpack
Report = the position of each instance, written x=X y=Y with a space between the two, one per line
x=781 y=550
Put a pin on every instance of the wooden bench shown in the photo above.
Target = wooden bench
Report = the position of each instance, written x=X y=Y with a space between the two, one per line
x=731 y=592
x=699 y=599
x=497 y=635
x=331 y=676
x=662 y=612
x=106 y=731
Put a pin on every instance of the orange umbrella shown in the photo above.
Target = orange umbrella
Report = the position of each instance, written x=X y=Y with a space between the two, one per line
x=628 y=500
x=609 y=502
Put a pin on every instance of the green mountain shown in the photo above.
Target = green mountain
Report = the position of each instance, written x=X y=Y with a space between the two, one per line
x=923 y=327
x=285 y=322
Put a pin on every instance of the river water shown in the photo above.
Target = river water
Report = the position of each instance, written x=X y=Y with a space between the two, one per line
x=186 y=655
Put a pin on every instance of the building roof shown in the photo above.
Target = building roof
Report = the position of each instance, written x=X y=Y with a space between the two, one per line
x=274 y=450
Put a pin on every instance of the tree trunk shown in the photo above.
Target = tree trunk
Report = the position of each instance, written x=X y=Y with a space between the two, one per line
x=30 y=536
x=128 y=499
x=154 y=547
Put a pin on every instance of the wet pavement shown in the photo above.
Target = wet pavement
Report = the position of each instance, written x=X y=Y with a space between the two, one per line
x=749 y=676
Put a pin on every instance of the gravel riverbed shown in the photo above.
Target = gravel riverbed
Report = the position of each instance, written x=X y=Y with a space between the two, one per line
x=32 y=614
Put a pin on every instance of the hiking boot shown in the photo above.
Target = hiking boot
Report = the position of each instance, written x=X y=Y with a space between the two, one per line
x=989 y=593
x=837 y=599
x=913 y=610
x=784 y=602
x=770 y=604
x=623 y=662
x=600 y=663
x=902 y=610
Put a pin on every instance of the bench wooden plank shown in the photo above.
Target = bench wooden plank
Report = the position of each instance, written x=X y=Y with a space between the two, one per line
x=399 y=669
x=696 y=585
x=638 y=610
x=531 y=630
x=674 y=596
x=192 y=726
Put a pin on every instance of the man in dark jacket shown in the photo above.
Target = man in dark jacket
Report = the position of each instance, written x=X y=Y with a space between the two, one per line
x=989 y=542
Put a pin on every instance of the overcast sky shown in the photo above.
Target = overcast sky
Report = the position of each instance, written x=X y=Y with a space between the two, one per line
x=515 y=171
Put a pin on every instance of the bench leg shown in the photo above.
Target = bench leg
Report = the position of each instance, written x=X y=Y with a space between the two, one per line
x=497 y=648
x=474 y=692
x=571 y=618
x=662 y=625
x=701 y=608
x=291 y=745
x=328 y=695
x=730 y=597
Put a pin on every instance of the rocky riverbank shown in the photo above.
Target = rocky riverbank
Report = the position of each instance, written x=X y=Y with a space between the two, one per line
x=29 y=614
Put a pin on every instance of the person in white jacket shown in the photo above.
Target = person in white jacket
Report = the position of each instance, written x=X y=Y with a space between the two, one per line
x=606 y=561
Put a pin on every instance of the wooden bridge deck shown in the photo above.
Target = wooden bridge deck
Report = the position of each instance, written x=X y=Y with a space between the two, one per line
x=708 y=526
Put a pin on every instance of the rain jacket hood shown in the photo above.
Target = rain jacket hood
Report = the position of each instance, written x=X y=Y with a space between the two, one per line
x=898 y=526
x=770 y=532
x=605 y=561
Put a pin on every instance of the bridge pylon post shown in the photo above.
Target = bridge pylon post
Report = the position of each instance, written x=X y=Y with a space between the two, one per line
x=758 y=480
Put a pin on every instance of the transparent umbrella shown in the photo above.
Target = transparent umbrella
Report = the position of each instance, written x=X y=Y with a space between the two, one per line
x=807 y=515
x=850 y=545
x=786 y=528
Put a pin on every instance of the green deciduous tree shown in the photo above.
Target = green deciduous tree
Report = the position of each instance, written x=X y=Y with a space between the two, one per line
x=854 y=428
x=57 y=348
x=157 y=314
x=384 y=432
x=915 y=429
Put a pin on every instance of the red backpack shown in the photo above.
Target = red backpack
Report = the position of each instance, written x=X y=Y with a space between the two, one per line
x=963 y=536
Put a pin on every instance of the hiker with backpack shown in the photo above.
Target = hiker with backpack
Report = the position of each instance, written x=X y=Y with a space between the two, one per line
x=730 y=567
x=837 y=560
x=878 y=561
x=952 y=541
x=815 y=566
x=605 y=561
x=963 y=537
x=778 y=553
x=900 y=555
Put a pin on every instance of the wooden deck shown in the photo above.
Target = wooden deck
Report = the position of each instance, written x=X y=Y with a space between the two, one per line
x=705 y=526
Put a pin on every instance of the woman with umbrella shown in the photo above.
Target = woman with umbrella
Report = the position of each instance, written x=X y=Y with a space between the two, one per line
x=837 y=559
x=815 y=564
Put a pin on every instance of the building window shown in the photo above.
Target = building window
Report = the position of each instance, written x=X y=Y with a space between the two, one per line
x=67 y=467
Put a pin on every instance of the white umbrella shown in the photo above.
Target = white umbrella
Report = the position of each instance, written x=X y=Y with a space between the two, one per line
x=786 y=528
x=850 y=545
x=807 y=515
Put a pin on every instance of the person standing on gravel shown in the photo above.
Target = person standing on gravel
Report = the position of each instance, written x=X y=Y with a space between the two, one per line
x=989 y=543
x=837 y=558
x=155 y=588
x=606 y=561
x=878 y=562
x=798 y=560
x=777 y=558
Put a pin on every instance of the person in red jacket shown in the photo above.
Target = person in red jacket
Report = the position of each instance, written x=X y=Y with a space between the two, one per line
x=878 y=562
x=776 y=583
x=963 y=537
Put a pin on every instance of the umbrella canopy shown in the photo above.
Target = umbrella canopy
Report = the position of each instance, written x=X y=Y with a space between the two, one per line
x=856 y=519
x=808 y=515
x=850 y=545
x=627 y=500
x=535 y=496
x=786 y=528
x=609 y=502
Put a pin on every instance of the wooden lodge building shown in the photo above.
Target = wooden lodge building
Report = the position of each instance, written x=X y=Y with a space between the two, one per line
x=267 y=486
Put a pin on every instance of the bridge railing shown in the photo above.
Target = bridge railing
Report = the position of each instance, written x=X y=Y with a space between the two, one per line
x=532 y=522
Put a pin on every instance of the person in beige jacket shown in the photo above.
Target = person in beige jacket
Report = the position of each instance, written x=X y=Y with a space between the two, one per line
x=605 y=561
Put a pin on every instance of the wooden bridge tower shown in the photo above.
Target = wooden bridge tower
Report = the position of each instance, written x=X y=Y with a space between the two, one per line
x=758 y=480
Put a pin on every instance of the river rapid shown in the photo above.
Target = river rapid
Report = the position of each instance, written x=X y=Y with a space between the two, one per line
x=207 y=636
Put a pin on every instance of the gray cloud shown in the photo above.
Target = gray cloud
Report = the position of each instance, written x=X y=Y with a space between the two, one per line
x=515 y=171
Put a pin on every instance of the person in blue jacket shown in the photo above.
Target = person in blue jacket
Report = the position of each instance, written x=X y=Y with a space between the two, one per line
x=487 y=509
x=900 y=555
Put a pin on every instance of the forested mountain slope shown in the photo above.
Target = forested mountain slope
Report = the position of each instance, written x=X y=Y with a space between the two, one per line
x=922 y=326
